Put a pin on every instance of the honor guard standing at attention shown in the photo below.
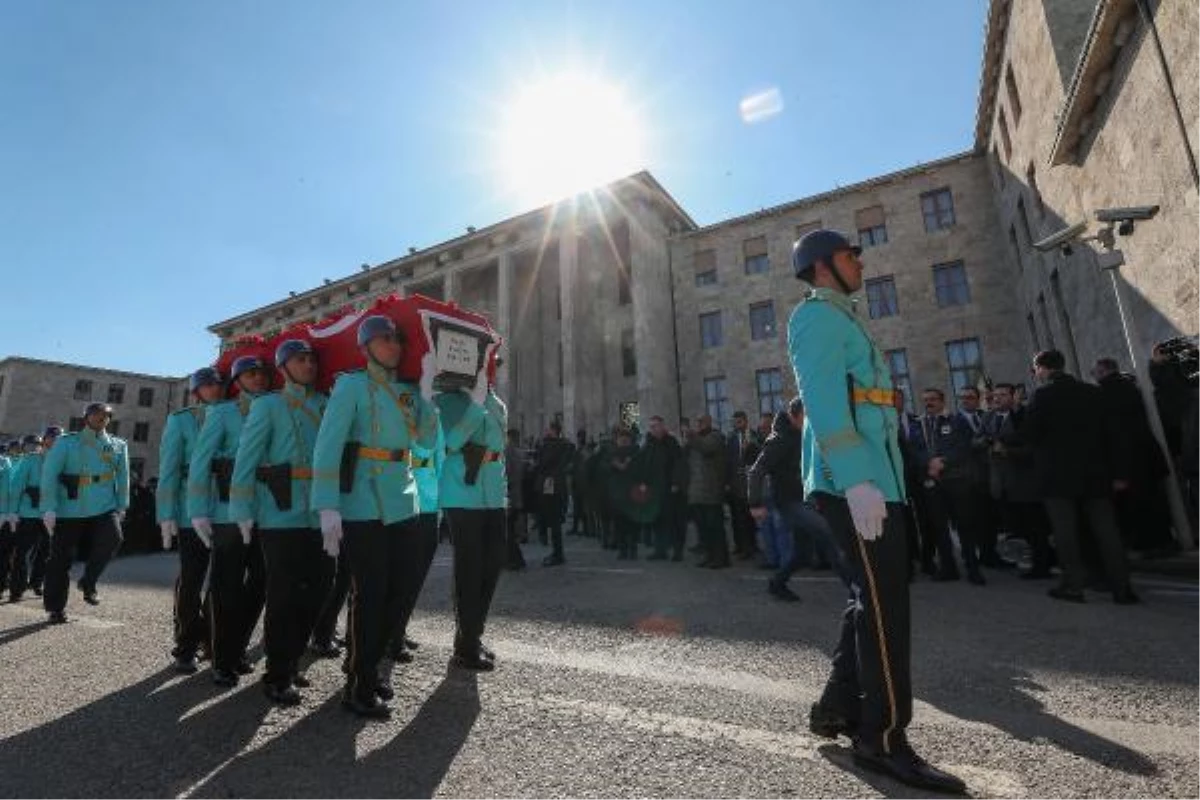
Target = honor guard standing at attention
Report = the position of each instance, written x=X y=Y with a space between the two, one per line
x=426 y=466
x=272 y=483
x=84 y=492
x=474 y=494
x=41 y=549
x=24 y=517
x=237 y=583
x=174 y=455
x=853 y=473
x=365 y=492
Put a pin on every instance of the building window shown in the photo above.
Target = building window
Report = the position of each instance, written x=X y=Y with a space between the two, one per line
x=114 y=428
x=116 y=393
x=950 y=284
x=137 y=468
x=754 y=251
x=716 y=402
x=806 y=228
x=898 y=365
x=1014 y=98
x=871 y=225
x=881 y=297
x=1064 y=319
x=75 y=424
x=966 y=363
x=624 y=286
x=1045 y=315
x=1004 y=140
x=938 y=209
x=1033 y=332
x=628 y=354
x=141 y=431
x=710 y=330
x=762 y=320
x=706 y=268
x=145 y=397
x=1023 y=220
x=769 y=383
x=1015 y=243
x=1031 y=179
x=83 y=390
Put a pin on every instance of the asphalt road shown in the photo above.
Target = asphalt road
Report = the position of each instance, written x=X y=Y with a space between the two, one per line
x=616 y=679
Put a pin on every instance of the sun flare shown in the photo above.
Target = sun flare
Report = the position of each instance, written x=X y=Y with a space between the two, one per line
x=565 y=134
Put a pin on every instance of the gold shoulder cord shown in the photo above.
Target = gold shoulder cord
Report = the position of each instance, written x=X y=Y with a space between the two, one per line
x=405 y=405
x=298 y=429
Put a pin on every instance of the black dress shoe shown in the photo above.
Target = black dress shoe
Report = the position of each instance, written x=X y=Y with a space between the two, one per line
x=945 y=577
x=553 y=561
x=515 y=566
x=829 y=724
x=300 y=682
x=281 y=695
x=1069 y=595
x=977 y=579
x=37 y=590
x=224 y=678
x=384 y=690
x=244 y=667
x=677 y=557
x=782 y=592
x=1036 y=575
x=15 y=598
x=486 y=652
x=1126 y=598
x=907 y=767
x=91 y=598
x=57 y=618
x=186 y=664
x=325 y=649
x=474 y=662
x=370 y=708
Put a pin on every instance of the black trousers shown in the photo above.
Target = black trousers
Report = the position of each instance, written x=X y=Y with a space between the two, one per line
x=710 y=524
x=101 y=532
x=946 y=503
x=383 y=562
x=479 y=547
x=299 y=574
x=627 y=536
x=237 y=593
x=743 y=526
x=550 y=522
x=191 y=622
x=326 y=625
x=39 y=557
x=515 y=519
x=1066 y=515
x=1029 y=521
x=870 y=682
x=425 y=548
x=24 y=543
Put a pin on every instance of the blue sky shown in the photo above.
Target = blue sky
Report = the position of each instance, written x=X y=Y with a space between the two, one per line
x=169 y=165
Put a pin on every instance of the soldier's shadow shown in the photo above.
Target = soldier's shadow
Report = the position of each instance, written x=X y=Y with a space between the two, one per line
x=319 y=755
x=20 y=632
x=152 y=739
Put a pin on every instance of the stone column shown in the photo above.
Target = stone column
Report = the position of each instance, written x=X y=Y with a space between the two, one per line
x=568 y=268
x=450 y=287
x=503 y=323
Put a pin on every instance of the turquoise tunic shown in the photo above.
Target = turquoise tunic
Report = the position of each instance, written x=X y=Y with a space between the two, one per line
x=6 y=469
x=174 y=456
x=429 y=474
x=841 y=447
x=463 y=421
x=280 y=429
x=218 y=439
x=101 y=461
x=26 y=474
x=374 y=410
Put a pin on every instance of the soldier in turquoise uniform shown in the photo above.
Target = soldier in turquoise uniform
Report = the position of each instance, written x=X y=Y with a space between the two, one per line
x=84 y=492
x=272 y=481
x=24 y=516
x=237 y=579
x=474 y=495
x=853 y=473
x=426 y=466
x=9 y=458
x=174 y=455
x=41 y=548
x=365 y=491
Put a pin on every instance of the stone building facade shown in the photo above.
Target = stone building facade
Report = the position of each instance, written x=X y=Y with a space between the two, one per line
x=35 y=394
x=1081 y=110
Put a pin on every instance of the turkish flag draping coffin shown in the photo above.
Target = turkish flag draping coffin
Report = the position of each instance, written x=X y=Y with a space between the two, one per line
x=457 y=337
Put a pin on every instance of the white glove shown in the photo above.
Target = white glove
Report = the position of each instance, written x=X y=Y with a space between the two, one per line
x=867 y=509
x=331 y=531
x=480 y=390
x=120 y=516
x=428 y=370
x=12 y=520
x=170 y=532
x=246 y=526
x=49 y=519
x=204 y=531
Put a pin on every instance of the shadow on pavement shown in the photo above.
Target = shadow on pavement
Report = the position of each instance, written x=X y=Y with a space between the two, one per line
x=843 y=758
x=1000 y=696
x=317 y=757
x=131 y=743
x=21 y=631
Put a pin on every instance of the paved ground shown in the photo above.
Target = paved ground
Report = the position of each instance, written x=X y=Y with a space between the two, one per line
x=616 y=680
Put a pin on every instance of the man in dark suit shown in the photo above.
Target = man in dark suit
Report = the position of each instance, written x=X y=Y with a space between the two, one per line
x=1079 y=463
x=989 y=515
x=942 y=444
x=741 y=449
x=1013 y=483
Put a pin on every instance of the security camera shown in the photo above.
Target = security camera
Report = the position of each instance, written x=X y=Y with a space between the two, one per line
x=1063 y=238
x=1130 y=214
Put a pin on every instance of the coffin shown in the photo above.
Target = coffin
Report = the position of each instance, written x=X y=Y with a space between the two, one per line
x=457 y=337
